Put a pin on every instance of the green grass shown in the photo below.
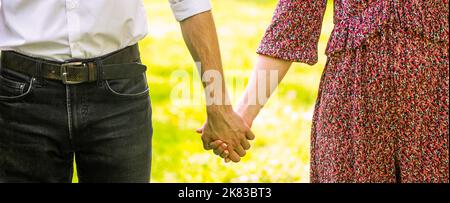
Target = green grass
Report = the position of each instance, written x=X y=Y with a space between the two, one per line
x=281 y=151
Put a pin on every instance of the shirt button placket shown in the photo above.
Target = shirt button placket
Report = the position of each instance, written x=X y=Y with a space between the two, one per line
x=74 y=28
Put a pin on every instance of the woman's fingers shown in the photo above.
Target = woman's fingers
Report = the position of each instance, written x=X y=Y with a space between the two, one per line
x=225 y=154
x=220 y=148
x=221 y=151
x=216 y=144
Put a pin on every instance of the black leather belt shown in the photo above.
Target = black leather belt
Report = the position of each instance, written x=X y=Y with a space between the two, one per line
x=118 y=65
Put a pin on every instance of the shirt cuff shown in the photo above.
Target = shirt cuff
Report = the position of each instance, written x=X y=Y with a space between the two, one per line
x=183 y=9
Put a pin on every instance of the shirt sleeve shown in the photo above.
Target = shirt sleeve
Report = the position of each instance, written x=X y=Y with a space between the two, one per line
x=183 y=9
x=294 y=32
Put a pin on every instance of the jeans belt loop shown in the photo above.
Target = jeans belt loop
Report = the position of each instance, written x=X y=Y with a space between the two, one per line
x=39 y=73
x=99 y=64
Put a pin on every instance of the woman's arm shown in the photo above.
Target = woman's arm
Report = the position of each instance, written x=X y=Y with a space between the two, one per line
x=258 y=91
x=261 y=86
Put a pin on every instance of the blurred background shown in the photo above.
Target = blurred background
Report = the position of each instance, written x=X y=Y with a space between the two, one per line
x=280 y=152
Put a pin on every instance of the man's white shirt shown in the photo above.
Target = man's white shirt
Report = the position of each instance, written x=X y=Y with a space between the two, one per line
x=79 y=29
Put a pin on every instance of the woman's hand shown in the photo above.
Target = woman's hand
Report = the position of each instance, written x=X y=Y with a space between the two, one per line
x=226 y=133
x=258 y=91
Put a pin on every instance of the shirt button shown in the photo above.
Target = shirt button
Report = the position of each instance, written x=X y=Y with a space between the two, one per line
x=75 y=46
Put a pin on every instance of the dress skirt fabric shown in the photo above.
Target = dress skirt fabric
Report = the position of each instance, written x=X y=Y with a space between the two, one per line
x=382 y=110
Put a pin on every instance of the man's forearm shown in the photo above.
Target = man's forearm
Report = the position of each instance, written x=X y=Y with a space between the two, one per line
x=222 y=124
x=200 y=35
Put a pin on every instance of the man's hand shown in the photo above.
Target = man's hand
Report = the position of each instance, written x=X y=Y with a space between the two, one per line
x=227 y=134
x=224 y=130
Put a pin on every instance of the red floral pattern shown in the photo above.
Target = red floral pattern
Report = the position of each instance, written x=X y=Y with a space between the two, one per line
x=382 y=110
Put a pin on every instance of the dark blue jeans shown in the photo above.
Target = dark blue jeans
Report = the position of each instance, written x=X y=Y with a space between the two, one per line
x=45 y=125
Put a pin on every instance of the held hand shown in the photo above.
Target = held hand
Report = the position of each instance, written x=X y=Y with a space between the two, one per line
x=226 y=133
x=248 y=121
x=220 y=148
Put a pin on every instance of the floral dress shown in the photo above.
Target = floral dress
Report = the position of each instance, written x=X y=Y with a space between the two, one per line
x=382 y=109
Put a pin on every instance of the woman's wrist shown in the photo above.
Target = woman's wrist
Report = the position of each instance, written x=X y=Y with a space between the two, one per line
x=248 y=112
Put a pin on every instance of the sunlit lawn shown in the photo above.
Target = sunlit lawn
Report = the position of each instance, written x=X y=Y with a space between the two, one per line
x=281 y=151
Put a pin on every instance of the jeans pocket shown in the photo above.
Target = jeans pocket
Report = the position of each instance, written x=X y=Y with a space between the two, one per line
x=128 y=88
x=14 y=85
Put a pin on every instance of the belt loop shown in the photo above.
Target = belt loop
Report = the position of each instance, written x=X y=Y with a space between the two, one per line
x=99 y=71
x=39 y=75
x=2 y=62
x=91 y=71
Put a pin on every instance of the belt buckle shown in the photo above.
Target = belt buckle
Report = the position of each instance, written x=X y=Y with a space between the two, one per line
x=64 y=72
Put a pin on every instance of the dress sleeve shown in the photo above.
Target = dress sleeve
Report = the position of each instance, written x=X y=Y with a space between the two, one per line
x=295 y=30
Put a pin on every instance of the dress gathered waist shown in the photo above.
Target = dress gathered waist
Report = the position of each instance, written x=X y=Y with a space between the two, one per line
x=414 y=16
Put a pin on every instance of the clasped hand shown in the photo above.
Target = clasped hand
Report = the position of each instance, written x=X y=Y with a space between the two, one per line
x=227 y=134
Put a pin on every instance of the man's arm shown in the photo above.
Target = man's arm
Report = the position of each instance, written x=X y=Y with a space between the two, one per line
x=200 y=36
x=223 y=123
